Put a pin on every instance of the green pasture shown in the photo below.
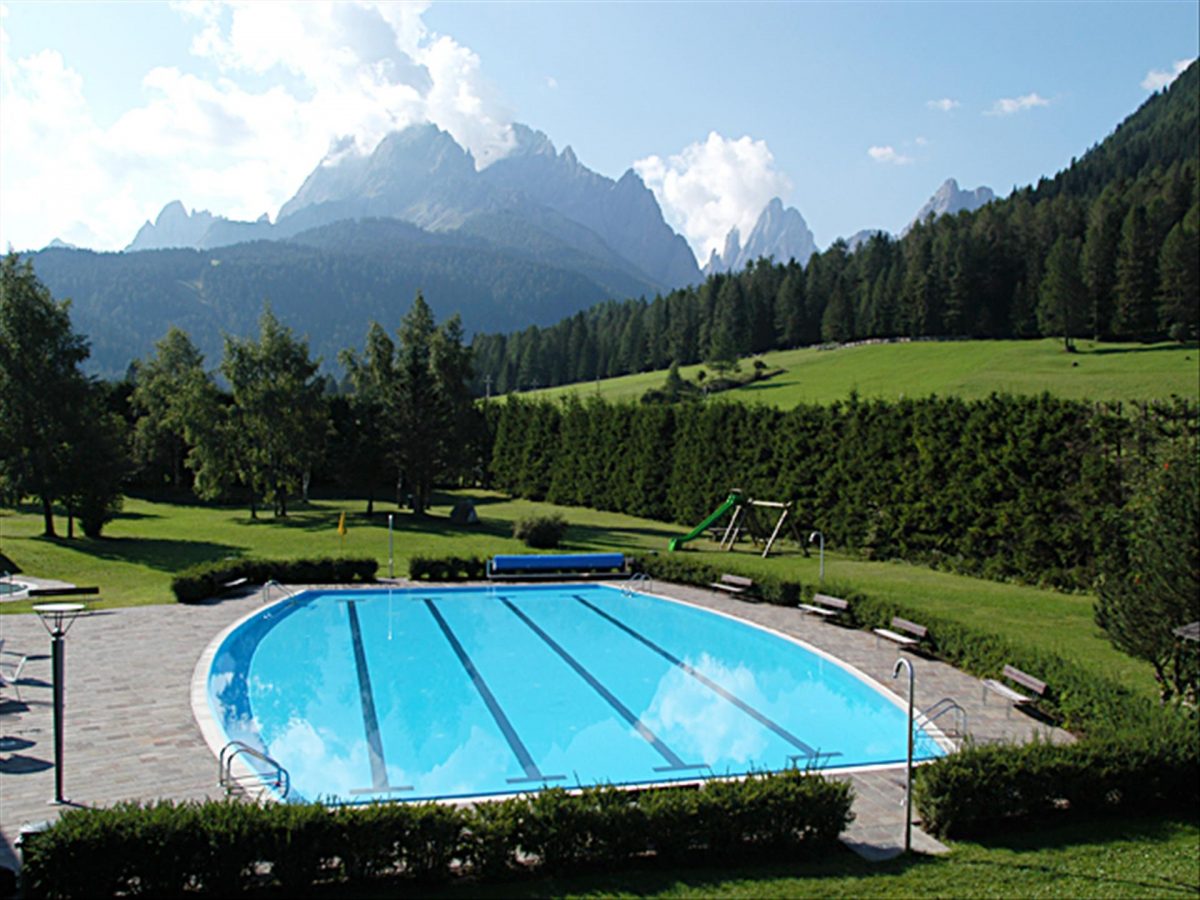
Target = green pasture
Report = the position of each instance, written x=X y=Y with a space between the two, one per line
x=150 y=541
x=968 y=369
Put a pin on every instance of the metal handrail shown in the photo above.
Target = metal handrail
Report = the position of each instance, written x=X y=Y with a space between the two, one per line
x=941 y=708
x=634 y=580
x=281 y=782
x=266 y=591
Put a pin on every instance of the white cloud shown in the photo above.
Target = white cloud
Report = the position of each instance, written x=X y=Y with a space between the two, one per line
x=921 y=141
x=551 y=82
x=712 y=186
x=1157 y=79
x=888 y=154
x=1006 y=106
x=943 y=105
x=340 y=73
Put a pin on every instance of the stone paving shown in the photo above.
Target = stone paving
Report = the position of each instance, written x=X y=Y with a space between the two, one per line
x=130 y=733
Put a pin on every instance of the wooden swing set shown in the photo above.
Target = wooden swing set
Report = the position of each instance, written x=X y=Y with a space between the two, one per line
x=750 y=516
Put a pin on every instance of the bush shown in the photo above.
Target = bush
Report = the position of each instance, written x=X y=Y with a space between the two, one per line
x=209 y=579
x=447 y=568
x=225 y=848
x=541 y=532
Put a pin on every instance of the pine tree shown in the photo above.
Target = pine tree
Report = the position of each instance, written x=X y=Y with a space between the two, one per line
x=1062 y=295
x=1137 y=278
x=1179 y=279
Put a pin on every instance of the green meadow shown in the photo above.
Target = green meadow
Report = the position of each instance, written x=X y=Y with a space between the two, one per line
x=967 y=369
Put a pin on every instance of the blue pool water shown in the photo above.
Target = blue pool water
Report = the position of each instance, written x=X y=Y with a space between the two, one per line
x=417 y=694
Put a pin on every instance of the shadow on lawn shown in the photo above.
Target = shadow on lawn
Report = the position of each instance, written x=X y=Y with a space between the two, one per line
x=156 y=553
x=1169 y=348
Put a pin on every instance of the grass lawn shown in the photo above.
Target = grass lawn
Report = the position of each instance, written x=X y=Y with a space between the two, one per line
x=150 y=541
x=1106 y=858
x=967 y=369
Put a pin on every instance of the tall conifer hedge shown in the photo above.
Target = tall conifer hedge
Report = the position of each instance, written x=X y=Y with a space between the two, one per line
x=1005 y=487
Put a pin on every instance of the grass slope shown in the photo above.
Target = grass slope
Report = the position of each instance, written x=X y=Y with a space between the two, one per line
x=150 y=541
x=968 y=369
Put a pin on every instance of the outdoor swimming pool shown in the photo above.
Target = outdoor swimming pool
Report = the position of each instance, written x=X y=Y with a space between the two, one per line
x=459 y=692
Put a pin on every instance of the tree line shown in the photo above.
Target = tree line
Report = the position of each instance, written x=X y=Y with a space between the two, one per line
x=259 y=428
x=1108 y=249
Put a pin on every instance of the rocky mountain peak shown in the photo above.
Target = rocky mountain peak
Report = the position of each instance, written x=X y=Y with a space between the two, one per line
x=780 y=234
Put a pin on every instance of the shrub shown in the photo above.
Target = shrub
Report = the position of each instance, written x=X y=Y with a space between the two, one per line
x=541 y=532
x=207 y=580
x=447 y=568
x=225 y=848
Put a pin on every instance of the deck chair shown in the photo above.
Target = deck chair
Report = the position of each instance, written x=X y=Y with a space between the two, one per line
x=10 y=672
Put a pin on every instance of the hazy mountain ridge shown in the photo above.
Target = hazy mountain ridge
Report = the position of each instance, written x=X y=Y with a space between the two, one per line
x=422 y=176
x=780 y=234
x=326 y=283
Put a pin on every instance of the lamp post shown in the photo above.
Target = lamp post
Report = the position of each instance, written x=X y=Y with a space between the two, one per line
x=903 y=663
x=58 y=619
x=815 y=536
x=391 y=555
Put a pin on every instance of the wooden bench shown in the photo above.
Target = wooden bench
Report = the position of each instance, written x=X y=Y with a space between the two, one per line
x=63 y=592
x=824 y=605
x=734 y=584
x=915 y=633
x=1015 y=675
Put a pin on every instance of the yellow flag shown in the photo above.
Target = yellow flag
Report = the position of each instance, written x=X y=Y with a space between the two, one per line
x=342 y=525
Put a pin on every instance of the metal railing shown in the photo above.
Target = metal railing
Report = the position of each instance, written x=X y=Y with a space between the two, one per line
x=277 y=779
x=948 y=706
x=635 y=581
x=266 y=590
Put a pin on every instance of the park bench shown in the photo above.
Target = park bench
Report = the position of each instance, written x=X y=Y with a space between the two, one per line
x=826 y=606
x=1015 y=675
x=737 y=585
x=63 y=591
x=913 y=635
x=556 y=565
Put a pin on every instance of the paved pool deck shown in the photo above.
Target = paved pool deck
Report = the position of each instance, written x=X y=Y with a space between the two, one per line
x=130 y=734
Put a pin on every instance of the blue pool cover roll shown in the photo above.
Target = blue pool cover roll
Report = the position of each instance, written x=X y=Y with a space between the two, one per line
x=558 y=562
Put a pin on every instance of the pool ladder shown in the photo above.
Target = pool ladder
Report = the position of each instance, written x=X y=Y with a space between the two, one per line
x=948 y=706
x=635 y=581
x=277 y=777
x=266 y=590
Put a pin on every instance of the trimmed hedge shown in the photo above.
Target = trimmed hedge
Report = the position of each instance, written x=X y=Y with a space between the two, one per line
x=209 y=579
x=682 y=570
x=222 y=848
x=447 y=568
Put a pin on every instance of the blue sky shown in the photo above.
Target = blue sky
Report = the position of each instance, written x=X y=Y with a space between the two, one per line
x=853 y=113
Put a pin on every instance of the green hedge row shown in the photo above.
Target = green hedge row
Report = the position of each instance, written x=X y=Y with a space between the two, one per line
x=678 y=568
x=983 y=787
x=447 y=568
x=209 y=579
x=1031 y=488
x=223 y=848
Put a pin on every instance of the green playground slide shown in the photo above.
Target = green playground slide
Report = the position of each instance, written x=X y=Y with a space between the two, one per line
x=734 y=498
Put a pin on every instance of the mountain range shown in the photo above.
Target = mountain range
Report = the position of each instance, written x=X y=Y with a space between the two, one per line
x=530 y=239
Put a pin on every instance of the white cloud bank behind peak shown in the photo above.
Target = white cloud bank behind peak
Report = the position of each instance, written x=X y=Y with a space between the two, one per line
x=712 y=186
x=333 y=69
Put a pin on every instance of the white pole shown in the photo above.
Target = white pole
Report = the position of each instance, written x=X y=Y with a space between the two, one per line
x=391 y=555
x=904 y=663
x=812 y=537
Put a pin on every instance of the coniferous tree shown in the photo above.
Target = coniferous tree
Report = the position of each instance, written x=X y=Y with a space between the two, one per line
x=1137 y=280
x=1062 y=295
x=1179 y=279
